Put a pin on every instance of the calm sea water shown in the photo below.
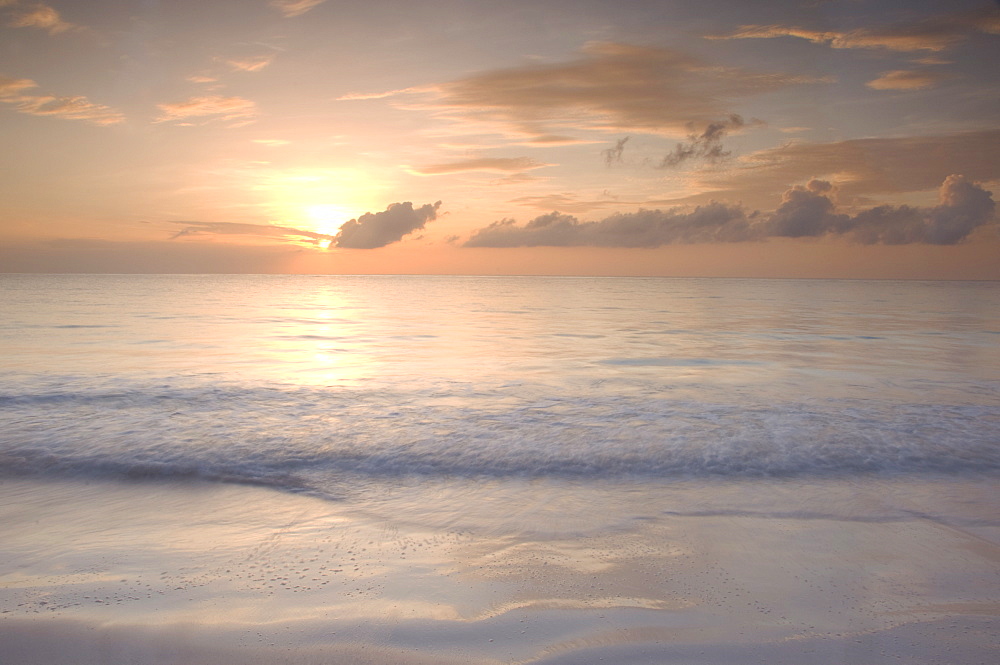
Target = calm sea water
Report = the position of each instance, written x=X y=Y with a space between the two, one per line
x=334 y=384
x=466 y=469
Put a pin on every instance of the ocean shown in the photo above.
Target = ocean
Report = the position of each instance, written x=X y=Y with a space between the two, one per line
x=643 y=469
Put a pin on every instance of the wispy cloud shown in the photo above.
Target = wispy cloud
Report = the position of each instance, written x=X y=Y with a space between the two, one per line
x=293 y=8
x=565 y=202
x=932 y=34
x=251 y=64
x=707 y=145
x=248 y=229
x=37 y=15
x=906 y=79
x=805 y=211
x=359 y=96
x=202 y=78
x=10 y=87
x=69 y=108
x=501 y=164
x=613 y=87
x=614 y=154
x=235 y=110
x=554 y=139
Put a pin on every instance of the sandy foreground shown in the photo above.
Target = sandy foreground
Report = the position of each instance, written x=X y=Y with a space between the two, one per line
x=205 y=573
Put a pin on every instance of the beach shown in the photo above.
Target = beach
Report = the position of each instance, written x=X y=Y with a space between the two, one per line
x=155 y=573
x=451 y=332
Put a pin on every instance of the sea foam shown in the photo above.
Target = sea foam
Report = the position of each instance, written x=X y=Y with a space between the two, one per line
x=291 y=438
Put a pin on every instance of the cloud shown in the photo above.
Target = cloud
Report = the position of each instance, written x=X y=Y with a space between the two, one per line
x=38 y=15
x=240 y=228
x=901 y=79
x=293 y=8
x=707 y=145
x=714 y=222
x=10 y=87
x=368 y=231
x=554 y=139
x=809 y=211
x=359 y=96
x=252 y=64
x=564 y=202
x=932 y=34
x=69 y=108
x=202 y=78
x=612 y=87
x=379 y=229
x=932 y=60
x=501 y=164
x=861 y=167
x=519 y=178
x=79 y=255
x=613 y=155
x=805 y=211
x=227 y=109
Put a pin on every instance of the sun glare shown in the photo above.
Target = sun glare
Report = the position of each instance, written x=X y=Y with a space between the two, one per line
x=327 y=218
x=318 y=200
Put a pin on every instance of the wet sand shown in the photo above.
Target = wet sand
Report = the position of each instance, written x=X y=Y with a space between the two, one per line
x=197 y=573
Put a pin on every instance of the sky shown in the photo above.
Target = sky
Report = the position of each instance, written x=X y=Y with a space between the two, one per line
x=840 y=138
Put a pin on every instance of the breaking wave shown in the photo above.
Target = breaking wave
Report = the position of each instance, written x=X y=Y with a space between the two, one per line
x=308 y=439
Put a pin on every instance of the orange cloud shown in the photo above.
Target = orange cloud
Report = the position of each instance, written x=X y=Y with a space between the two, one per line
x=862 y=167
x=293 y=8
x=9 y=86
x=39 y=15
x=249 y=229
x=502 y=164
x=214 y=107
x=902 y=79
x=933 y=34
x=355 y=96
x=566 y=202
x=253 y=64
x=613 y=87
x=70 y=108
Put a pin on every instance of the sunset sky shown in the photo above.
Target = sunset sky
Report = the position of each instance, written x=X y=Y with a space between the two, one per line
x=841 y=138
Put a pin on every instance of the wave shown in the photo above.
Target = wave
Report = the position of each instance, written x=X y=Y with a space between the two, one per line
x=316 y=439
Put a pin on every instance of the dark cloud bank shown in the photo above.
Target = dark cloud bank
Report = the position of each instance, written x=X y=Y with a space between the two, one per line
x=805 y=211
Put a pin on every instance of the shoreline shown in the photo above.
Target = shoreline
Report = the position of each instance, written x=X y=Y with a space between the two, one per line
x=152 y=573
